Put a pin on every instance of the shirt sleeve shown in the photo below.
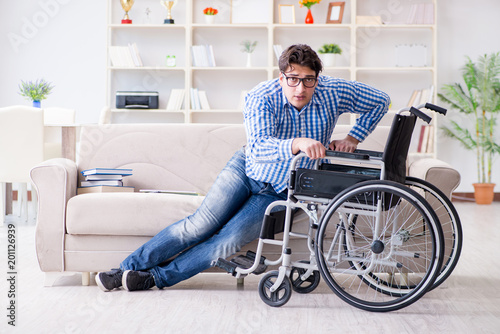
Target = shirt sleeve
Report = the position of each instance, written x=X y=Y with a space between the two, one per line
x=261 y=124
x=370 y=103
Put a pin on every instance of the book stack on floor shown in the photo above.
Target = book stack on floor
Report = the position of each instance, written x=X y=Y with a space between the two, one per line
x=100 y=180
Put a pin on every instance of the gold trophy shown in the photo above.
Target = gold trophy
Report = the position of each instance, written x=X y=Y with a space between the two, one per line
x=168 y=5
x=126 y=5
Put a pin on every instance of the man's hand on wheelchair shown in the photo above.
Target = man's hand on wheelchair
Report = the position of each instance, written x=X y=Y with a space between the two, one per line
x=348 y=144
x=312 y=148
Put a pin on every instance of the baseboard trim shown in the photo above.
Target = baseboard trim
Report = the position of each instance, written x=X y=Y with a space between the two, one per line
x=469 y=197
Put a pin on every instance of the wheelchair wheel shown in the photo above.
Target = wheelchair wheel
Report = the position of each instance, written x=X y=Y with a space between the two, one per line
x=379 y=246
x=307 y=285
x=450 y=224
x=279 y=297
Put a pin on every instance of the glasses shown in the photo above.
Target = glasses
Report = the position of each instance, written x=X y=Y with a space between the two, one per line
x=294 y=81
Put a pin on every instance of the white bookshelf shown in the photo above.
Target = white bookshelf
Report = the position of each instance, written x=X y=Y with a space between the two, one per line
x=368 y=54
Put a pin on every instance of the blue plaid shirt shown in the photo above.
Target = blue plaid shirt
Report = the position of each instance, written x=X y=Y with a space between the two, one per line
x=271 y=123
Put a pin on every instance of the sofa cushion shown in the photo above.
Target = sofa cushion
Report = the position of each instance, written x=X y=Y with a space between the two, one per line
x=133 y=214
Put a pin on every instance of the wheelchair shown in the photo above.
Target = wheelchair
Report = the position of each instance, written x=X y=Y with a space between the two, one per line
x=380 y=240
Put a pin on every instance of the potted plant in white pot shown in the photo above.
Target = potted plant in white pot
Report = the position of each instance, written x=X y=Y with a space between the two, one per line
x=35 y=91
x=248 y=47
x=480 y=101
x=328 y=53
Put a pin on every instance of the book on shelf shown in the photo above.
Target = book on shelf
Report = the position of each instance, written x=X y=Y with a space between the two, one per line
x=243 y=95
x=203 y=55
x=176 y=99
x=103 y=189
x=125 y=56
x=202 y=95
x=426 y=139
x=421 y=13
x=278 y=50
x=199 y=100
x=421 y=96
x=102 y=171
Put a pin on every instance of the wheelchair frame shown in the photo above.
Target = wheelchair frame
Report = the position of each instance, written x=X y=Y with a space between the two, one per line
x=368 y=262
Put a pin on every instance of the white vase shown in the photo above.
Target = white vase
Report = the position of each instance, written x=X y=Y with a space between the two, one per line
x=249 y=60
x=209 y=19
x=329 y=59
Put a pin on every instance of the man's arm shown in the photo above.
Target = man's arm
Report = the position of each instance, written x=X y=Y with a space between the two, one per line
x=370 y=103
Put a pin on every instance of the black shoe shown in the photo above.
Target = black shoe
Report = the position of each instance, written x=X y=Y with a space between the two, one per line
x=109 y=280
x=137 y=280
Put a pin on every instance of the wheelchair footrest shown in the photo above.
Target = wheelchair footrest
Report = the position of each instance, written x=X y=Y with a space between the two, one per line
x=241 y=261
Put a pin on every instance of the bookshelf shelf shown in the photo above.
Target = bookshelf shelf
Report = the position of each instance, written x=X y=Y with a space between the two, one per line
x=224 y=83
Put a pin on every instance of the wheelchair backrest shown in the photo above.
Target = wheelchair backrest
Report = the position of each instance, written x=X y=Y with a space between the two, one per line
x=397 y=146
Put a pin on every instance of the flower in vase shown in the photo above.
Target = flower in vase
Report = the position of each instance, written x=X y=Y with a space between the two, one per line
x=308 y=3
x=210 y=11
x=35 y=91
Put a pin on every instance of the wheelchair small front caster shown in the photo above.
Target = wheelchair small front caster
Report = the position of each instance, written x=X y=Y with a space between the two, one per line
x=301 y=286
x=279 y=297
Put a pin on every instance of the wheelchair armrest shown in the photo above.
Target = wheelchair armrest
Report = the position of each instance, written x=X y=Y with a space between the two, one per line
x=376 y=154
x=347 y=155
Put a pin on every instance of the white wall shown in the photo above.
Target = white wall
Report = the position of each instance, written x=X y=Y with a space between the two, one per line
x=64 y=42
x=466 y=28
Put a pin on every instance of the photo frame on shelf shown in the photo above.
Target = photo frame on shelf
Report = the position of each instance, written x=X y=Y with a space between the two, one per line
x=335 y=12
x=287 y=14
x=244 y=11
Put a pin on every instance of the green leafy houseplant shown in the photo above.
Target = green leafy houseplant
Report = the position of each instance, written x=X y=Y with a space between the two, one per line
x=480 y=100
x=35 y=91
x=330 y=48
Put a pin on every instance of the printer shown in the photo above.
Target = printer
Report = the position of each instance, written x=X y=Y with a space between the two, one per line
x=137 y=100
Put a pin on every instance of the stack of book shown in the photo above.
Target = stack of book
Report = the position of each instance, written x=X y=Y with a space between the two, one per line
x=104 y=180
x=125 y=56
x=199 y=99
x=203 y=55
x=176 y=99
x=420 y=96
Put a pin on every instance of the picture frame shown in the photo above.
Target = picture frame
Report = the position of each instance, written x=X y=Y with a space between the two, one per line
x=335 y=12
x=287 y=14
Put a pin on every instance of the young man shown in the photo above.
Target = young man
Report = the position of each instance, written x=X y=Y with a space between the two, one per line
x=296 y=112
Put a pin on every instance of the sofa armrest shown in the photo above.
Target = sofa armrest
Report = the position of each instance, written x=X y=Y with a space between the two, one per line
x=437 y=172
x=55 y=182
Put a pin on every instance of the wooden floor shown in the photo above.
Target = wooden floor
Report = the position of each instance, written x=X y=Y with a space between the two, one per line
x=468 y=302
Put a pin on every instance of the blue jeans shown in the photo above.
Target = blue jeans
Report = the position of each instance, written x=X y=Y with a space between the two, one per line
x=229 y=218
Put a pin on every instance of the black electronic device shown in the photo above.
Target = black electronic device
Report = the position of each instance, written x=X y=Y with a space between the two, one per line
x=136 y=100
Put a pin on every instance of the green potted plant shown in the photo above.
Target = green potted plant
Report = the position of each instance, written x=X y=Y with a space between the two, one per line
x=480 y=101
x=248 y=47
x=328 y=52
x=35 y=91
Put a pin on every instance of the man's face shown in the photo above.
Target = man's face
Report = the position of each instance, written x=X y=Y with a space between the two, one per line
x=299 y=95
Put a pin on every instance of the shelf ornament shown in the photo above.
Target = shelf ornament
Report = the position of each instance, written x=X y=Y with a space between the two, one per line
x=308 y=4
x=210 y=14
x=35 y=91
x=248 y=47
x=168 y=5
x=126 y=5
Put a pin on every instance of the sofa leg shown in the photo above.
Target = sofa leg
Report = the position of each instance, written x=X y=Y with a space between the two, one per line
x=86 y=278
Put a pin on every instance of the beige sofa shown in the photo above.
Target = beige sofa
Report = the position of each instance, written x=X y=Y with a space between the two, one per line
x=95 y=232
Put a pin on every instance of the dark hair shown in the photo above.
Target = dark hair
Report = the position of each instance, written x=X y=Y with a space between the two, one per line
x=300 y=54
